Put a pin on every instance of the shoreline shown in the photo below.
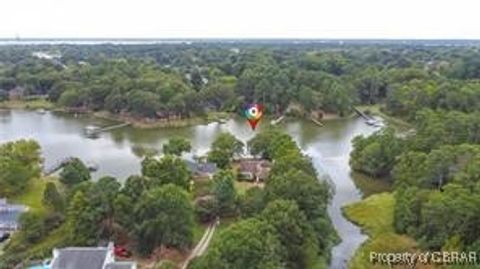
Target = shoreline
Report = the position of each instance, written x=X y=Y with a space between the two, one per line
x=145 y=123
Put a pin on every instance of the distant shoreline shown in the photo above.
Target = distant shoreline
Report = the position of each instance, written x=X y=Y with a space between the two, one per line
x=233 y=40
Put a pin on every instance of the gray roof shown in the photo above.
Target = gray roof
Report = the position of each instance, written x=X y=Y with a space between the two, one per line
x=9 y=215
x=120 y=265
x=80 y=258
x=201 y=168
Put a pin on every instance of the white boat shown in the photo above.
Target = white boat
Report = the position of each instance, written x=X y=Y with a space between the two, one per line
x=91 y=130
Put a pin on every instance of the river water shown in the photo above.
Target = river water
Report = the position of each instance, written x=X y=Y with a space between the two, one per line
x=119 y=152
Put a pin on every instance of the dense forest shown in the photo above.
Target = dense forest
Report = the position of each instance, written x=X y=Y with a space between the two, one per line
x=189 y=79
x=434 y=167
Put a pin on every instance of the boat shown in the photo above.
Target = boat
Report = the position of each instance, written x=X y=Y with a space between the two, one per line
x=92 y=131
x=41 y=111
x=371 y=122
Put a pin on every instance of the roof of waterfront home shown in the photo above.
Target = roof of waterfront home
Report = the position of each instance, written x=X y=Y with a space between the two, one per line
x=88 y=258
x=199 y=167
x=9 y=214
x=80 y=258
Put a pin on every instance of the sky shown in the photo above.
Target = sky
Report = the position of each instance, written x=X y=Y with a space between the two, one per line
x=385 y=19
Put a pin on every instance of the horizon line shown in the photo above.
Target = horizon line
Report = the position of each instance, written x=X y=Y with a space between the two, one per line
x=246 y=38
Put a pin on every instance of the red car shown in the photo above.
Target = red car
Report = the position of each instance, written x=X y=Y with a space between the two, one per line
x=122 y=252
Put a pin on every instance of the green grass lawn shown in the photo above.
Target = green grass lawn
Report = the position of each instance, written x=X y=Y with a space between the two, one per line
x=243 y=186
x=375 y=216
x=33 y=195
x=28 y=104
x=198 y=231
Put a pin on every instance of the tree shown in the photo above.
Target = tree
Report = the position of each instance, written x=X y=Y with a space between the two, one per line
x=3 y=95
x=123 y=207
x=250 y=243
x=91 y=212
x=206 y=209
x=293 y=230
x=32 y=227
x=82 y=221
x=143 y=103
x=71 y=98
x=102 y=197
x=311 y=196
x=164 y=217
x=411 y=169
x=19 y=164
x=169 y=169
x=272 y=144
x=52 y=198
x=176 y=146
x=135 y=186
x=224 y=148
x=224 y=192
x=74 y=172
x=252 y=202
x=376 y=155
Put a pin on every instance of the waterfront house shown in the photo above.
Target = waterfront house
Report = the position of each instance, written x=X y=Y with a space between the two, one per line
x=253 y=169
x=16 y=93
x=201 y=169
x=88 y=258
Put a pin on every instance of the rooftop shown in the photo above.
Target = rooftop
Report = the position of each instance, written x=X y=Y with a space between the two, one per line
x=80 y=258
x=88 y=258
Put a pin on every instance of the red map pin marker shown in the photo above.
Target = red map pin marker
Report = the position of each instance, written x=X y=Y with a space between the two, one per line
x=253 y=113
x=253 y=123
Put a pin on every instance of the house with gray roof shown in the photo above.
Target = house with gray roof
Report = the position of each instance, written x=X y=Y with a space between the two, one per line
x=88 y=258
x=9 y=214
x=201 y=169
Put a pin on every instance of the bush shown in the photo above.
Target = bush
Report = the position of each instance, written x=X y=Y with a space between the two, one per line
x=205 y=209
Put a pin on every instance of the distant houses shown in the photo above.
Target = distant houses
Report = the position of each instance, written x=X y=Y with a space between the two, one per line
x=16 y=93
x=201 y=169
x=88 y=258
x=247 y=169
x=9 y=215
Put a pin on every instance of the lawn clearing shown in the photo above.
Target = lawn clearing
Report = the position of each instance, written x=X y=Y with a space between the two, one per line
x=375 y=216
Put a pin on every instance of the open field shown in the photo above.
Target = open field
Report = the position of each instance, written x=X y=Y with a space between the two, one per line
x=375 y=216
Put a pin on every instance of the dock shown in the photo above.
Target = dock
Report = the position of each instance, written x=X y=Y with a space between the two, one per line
x=369 y=120
x=319 y=123
x=93 y=131
x=278 y=120
x=362 y=114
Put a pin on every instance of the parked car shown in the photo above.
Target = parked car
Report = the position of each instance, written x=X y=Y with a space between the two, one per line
x=4 y=237
x=122 y=252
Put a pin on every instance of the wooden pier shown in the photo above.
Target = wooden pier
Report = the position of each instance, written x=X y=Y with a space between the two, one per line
x=362 y=114
x=319 y=123
x=278 y=120
x=93 y=131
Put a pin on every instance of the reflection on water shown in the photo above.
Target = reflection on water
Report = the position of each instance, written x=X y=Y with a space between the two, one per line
x=119 y=152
